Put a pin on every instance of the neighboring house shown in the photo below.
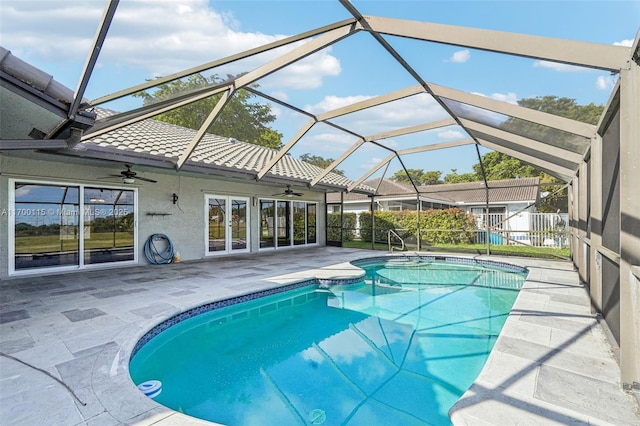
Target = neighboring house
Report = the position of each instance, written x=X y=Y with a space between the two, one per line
x=505 y=196
x=512 y=203
x=71 y=205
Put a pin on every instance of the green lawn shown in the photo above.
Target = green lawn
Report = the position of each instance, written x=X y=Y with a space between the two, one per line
x=53 y=243
x=510 y=250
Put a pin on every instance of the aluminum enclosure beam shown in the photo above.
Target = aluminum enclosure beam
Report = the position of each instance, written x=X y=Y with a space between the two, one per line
x=337 y=162
x=554 y=170
x=283 y=151
x=357 y=106
x=98 y=41
x=437 y=146
x=325 y=40
x=220 y=62
x=370 y=172
x=384 y=135
x=226 y=96
x=592 y=55
x=562 y=154
x=528 y=114
x=118 y=121
x=425 y=148
x=371 y=102
x=413 y=129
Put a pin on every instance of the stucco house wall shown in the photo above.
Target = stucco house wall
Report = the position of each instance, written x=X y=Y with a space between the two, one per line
x=184 y=222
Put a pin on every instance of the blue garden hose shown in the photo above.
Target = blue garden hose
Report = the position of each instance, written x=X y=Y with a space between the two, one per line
x=155 y=256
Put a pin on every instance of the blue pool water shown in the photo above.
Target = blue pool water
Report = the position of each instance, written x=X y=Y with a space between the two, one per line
x=397 y=348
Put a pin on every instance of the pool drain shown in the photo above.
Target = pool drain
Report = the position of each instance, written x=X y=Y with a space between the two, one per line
x=317 y=416
x=151 y=388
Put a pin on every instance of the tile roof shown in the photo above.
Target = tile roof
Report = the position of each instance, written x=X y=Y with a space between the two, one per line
x=509 y=190
x=153 y=138
x=34 y=77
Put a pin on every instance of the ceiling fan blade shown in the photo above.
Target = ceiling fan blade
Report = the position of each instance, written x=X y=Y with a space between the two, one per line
x=146 y=179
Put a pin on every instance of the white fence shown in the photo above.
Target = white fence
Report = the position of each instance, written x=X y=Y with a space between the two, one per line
x=533 y=229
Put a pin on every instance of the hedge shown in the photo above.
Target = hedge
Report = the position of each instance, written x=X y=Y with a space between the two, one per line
x=349 y=226
x=461 y=224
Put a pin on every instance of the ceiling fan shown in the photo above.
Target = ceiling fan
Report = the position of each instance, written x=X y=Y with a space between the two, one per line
x=129 y=176
x=289 y=193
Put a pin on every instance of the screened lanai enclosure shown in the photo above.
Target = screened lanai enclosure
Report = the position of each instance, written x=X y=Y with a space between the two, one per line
x=595 y=162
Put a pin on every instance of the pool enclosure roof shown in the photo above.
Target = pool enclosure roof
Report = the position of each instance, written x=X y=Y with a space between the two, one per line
x=551 y=143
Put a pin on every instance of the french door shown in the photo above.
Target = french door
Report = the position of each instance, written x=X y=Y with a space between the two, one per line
x=227 y=224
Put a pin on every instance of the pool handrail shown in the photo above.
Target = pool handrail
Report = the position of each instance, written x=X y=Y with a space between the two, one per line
x=391 y=248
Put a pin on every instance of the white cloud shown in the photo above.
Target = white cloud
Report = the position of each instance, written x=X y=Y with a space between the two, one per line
x=280 y=95
x=605 y=82
x=417 y=109
x=627 y=43
x=371 y=163
x=450 y=134
x=556 y=66
x=510 y=97
x=326 y=143
x=460 y=56
x=488 y=116
x=156 y=37
x=329 y=103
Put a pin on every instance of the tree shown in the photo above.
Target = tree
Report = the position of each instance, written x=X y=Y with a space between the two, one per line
x=501 y=166
x=241 y=118
x=321 y=162
x=454 y=177
x=418 y=176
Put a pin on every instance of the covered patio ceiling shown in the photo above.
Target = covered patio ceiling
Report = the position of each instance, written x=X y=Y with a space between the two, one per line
x=477 y=118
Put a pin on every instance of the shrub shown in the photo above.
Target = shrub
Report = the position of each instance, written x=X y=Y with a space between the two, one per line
x=433 y=225
x=384 y=221
x=334 y=226
x=461 y=223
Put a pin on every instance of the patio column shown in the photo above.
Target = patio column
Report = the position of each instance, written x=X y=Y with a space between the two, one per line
x=630 y=223
x=595 y=258
x=582 y=222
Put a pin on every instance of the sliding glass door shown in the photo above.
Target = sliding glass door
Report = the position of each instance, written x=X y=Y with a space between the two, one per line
x=287 y=223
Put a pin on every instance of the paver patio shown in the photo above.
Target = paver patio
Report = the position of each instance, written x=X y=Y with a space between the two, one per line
x=552 y=363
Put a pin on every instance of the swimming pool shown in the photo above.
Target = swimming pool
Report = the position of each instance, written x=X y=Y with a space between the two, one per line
x=398 y=346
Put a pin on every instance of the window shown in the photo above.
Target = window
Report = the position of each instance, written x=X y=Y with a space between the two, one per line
x=58 y=225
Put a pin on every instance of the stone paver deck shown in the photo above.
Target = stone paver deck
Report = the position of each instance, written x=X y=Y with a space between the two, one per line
x=552 y=363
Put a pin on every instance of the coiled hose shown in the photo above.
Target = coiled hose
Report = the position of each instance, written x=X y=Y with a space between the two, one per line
x=156 y=256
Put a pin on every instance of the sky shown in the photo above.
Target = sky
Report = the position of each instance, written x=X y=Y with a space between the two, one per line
x=150 y=38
